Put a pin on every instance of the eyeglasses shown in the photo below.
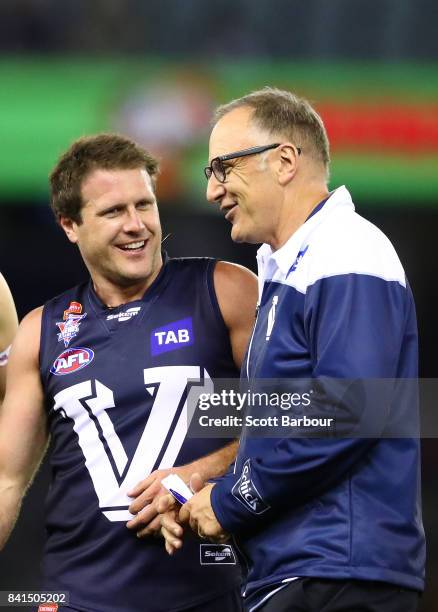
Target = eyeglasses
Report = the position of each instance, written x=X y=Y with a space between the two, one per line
x=218 y=168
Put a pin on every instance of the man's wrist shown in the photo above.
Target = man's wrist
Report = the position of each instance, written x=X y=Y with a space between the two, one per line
x=185 y=472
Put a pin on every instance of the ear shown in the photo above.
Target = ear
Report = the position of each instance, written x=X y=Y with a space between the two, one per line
x=288 y=163
x=69 y=226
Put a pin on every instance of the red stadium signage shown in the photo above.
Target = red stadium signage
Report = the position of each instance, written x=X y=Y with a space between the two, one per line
x=381 y=126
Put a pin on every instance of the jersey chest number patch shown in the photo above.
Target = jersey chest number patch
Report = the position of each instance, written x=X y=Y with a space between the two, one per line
x=110 y=469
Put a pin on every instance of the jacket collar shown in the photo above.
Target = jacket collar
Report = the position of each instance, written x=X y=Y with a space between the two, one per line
x=286 y=255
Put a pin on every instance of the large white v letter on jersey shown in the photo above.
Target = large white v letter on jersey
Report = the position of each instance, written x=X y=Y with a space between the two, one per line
x=169 y=384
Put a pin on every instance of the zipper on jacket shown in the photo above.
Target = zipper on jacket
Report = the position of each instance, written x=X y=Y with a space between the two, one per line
x=252 y=336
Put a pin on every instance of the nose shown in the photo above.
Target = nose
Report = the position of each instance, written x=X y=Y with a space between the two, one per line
x=133 y=222
x=215 y=189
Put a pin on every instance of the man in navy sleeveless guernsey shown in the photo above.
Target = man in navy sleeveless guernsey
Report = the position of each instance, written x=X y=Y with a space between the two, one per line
x=323 y=524
x=104 y=369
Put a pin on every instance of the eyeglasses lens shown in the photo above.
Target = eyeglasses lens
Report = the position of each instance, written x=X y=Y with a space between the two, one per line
x=218 y=170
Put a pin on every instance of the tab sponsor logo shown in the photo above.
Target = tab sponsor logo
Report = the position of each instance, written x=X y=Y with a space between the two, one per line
x=72 y=360
x=172 y=336
x=245 y=491
x=217 y=554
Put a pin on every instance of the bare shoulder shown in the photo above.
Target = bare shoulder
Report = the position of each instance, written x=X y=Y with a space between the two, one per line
x=4 y=289
x=236 y=291
x=6 y=300
x=27 y=341
x=31 y=323
x=234 y=281
x=8 y=315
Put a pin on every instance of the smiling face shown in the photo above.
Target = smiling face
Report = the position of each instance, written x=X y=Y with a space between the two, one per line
x=251 y=195
x=120 y=234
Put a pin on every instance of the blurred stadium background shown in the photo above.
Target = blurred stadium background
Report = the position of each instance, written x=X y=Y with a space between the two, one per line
x=155 y=70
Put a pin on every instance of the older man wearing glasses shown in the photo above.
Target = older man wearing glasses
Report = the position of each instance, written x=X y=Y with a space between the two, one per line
x=323 y=523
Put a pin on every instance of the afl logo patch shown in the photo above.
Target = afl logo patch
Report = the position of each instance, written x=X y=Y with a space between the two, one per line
x=72 y=360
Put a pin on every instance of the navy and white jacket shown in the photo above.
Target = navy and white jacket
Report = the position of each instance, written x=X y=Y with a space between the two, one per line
x=334 y=302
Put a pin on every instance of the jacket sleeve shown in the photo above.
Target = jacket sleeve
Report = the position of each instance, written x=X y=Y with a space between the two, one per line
x=357 y=327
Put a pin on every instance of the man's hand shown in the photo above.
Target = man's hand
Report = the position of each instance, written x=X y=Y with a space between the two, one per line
x=199 y=514
x=171 y=530
x=147 y=493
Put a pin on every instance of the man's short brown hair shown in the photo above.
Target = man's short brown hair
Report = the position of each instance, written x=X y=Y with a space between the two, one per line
x=282 y=113
x=101 y=151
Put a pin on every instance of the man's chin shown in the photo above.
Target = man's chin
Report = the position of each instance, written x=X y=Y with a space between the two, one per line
x=141 y=270
x=126 y=278
x=239 y=235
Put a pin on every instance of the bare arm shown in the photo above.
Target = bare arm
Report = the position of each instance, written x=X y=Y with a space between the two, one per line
x=236 y=291
x=8 y=328
x=23 y=432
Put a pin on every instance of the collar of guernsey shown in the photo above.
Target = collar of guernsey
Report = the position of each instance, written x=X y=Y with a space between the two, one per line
x=269 y=260
x=152 y=292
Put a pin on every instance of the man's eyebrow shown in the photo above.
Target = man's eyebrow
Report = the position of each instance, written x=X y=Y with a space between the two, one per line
x=145 y=201
x=121 y=204
x=108 y=207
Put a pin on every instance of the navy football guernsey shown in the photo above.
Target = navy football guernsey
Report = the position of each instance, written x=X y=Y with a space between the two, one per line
x=115 y=380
